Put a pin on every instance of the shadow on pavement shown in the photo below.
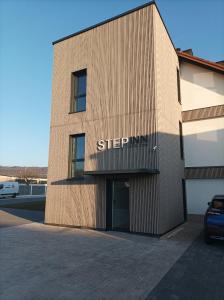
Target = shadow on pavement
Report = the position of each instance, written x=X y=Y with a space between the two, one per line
x=198 y=274
x=15 y=217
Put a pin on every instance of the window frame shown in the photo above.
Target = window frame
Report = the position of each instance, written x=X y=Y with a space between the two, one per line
x=72 y=160
x=178 y=86
x=74 y=97
x=181 y=140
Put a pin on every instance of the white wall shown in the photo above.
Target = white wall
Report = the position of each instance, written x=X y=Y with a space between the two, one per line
x=200 y=192
x=200 y=87
x=204 y=142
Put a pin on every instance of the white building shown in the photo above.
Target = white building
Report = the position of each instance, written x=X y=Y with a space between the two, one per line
x=202 y=97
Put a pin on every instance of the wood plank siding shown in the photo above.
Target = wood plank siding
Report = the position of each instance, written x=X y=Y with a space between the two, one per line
x=211 y=172
x=171 y=166
x=123 y=100
x=216 y=111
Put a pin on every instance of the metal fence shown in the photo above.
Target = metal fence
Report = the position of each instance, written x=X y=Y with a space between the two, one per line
x=32 y=189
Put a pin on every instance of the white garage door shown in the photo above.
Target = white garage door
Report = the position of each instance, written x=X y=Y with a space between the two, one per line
x=200 y=191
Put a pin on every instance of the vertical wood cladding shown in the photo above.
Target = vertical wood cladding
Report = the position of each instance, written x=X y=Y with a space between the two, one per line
x=121 y=102
x=144 y=204
x=168 y=117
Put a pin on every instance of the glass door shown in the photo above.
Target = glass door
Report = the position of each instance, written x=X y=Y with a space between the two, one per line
x=118 y=205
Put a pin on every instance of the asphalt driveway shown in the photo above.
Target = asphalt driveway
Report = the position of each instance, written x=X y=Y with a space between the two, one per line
x=46 y=262
x=198 y=274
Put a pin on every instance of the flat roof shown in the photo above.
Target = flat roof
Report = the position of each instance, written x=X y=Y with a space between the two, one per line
x=200 y=62
x=105 y=21
x=117 y=17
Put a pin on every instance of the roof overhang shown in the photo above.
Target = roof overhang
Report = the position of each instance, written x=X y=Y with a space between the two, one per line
x=123 y=172
x=200 y=62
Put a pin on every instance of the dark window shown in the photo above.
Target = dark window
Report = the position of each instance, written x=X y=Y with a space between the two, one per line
x=78 y=101
x=181 y=141
x=77 y=155
x=178 y=86
x=184 y=199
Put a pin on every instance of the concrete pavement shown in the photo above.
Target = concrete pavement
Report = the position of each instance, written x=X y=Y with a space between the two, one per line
x=46 y=262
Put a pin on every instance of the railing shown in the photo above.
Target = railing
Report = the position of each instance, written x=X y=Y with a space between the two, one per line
x=32 y=189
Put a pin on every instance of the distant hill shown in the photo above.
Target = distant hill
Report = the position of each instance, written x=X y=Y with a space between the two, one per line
x=16 y=171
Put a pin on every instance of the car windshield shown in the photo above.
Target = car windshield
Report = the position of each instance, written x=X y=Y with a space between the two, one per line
x=218 y=204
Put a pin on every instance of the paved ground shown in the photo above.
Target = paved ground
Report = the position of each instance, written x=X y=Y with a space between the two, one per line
x=14 y=217
x=47 y=262
x=21 y=199
x=198 y=274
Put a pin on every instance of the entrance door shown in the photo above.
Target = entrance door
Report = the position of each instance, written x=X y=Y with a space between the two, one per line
x=118 y=205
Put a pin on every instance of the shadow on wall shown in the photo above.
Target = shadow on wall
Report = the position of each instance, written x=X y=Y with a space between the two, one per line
x=136 y=155
x=136 y=152
x=121 y=154
x=142 y=156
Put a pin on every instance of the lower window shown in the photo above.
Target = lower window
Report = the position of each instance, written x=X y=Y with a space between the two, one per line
x=77 y=155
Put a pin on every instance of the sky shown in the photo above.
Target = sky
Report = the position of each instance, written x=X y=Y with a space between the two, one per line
x=27 y=29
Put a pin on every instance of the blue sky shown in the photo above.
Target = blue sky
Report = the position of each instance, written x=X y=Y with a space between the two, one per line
x=27 y=29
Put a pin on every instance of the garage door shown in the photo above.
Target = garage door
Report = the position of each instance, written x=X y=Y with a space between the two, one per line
x=200 y=191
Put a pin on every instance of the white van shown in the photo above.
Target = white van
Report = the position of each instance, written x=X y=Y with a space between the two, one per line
x=9 y=188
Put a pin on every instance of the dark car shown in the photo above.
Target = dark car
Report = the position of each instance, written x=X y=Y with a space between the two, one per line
x=214 y=219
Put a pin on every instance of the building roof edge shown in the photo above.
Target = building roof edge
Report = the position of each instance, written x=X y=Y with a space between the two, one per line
x=104 y=22
x=201 y=62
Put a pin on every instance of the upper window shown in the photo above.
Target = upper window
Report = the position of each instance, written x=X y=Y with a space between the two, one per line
x=178 y=86
x=78 y=101
x=77 y=155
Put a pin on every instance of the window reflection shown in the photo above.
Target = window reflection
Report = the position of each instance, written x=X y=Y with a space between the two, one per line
x=77 y=155
x=79 y=88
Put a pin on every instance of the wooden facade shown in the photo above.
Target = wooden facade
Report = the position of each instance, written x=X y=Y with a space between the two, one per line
x=131 y=91
x=216 y=111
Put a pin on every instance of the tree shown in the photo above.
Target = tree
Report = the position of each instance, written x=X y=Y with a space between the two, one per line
x=27 y=175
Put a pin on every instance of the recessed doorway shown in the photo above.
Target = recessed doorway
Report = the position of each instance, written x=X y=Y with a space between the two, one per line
x=118 y=205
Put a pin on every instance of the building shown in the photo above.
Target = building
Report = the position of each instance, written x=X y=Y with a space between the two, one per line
x=116 y=157
x=202 y=97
